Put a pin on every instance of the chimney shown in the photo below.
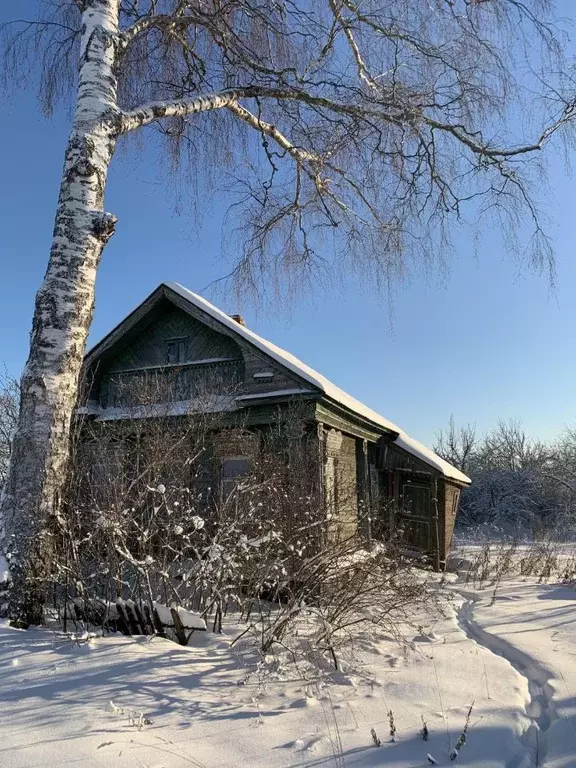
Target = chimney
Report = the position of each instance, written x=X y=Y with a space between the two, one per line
x=239 y=319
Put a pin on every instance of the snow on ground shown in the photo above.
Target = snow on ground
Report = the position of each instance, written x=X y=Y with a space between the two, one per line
x=211 y=704
x=533 y=625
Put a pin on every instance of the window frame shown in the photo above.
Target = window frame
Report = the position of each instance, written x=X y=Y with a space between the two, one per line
x=180 y=345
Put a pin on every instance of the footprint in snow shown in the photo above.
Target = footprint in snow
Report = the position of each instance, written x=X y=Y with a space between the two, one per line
x=431 y=637
x=302 y=703
x=309 y=742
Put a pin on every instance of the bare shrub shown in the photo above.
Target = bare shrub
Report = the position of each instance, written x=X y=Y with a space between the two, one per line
x=202 y=512
x=491 y=563
x=542 y=559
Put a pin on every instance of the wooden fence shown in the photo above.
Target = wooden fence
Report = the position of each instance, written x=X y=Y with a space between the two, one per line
x=137 y=618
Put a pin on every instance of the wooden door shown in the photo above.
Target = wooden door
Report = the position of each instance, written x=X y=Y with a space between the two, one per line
x=414 y=516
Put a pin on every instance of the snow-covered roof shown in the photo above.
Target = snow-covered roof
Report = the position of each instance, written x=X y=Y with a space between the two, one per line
x=276 y=393
x=329 y=389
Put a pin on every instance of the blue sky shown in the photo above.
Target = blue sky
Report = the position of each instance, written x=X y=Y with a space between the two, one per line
x=485 y=341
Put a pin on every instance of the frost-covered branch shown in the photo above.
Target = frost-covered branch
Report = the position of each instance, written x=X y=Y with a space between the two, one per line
x=9 y=396
x=160 y=21
x=149 y=113
x=299 y=154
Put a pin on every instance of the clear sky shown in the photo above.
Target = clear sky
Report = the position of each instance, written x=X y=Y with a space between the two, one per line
x=485 y=341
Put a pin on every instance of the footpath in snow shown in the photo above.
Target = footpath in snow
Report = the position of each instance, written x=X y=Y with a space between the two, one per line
x=533 y=627
x=120 y=701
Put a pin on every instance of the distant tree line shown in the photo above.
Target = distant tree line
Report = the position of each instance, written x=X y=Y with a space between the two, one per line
x=521 y=487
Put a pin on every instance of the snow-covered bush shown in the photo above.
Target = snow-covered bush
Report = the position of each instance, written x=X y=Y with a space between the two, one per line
x=150 y=518
x=522 y=488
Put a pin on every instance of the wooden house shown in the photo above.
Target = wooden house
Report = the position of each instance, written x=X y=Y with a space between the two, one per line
x=373 y=476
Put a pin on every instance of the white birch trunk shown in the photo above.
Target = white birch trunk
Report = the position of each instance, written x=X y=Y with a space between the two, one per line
x=62 y=317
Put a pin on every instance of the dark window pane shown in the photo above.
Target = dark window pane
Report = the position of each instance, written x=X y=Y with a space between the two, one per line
x=176 y=351
x=232 y=469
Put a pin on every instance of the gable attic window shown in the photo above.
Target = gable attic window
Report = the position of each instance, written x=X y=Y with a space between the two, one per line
x=265 y=375
x=176 y=350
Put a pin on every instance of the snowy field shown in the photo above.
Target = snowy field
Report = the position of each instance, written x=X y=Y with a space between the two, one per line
x=123 y=701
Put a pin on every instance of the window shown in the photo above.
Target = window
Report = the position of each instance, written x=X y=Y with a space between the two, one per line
x=233 y=468
x=176 y=350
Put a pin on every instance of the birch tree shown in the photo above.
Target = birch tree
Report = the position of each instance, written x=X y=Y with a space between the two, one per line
x=370 y=121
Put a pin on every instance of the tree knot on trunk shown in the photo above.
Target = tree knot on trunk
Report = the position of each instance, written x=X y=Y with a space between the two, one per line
x=112 y=119
x=103 y=226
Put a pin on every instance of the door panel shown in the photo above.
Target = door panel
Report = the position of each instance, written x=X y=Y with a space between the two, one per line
x=414 y=516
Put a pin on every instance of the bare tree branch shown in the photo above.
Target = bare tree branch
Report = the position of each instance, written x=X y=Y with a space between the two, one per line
x=297 y=153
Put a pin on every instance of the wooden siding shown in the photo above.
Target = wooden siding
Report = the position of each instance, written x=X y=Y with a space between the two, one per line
x=127 y=372
x=230 y=443
x=340 y=483
x=334 y=416
x=168 y=384
x=150 y=347
x=398 y=460
x=255 y=361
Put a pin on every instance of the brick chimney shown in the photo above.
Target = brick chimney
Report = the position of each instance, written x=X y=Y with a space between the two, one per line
x=239 y=319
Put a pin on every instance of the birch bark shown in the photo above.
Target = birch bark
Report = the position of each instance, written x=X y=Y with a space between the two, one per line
x=62 y=316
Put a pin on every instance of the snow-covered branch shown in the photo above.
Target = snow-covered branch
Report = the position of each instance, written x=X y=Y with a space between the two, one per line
x=374 y=112
x=149 y=113
x=298 y=153
x=162 y=21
